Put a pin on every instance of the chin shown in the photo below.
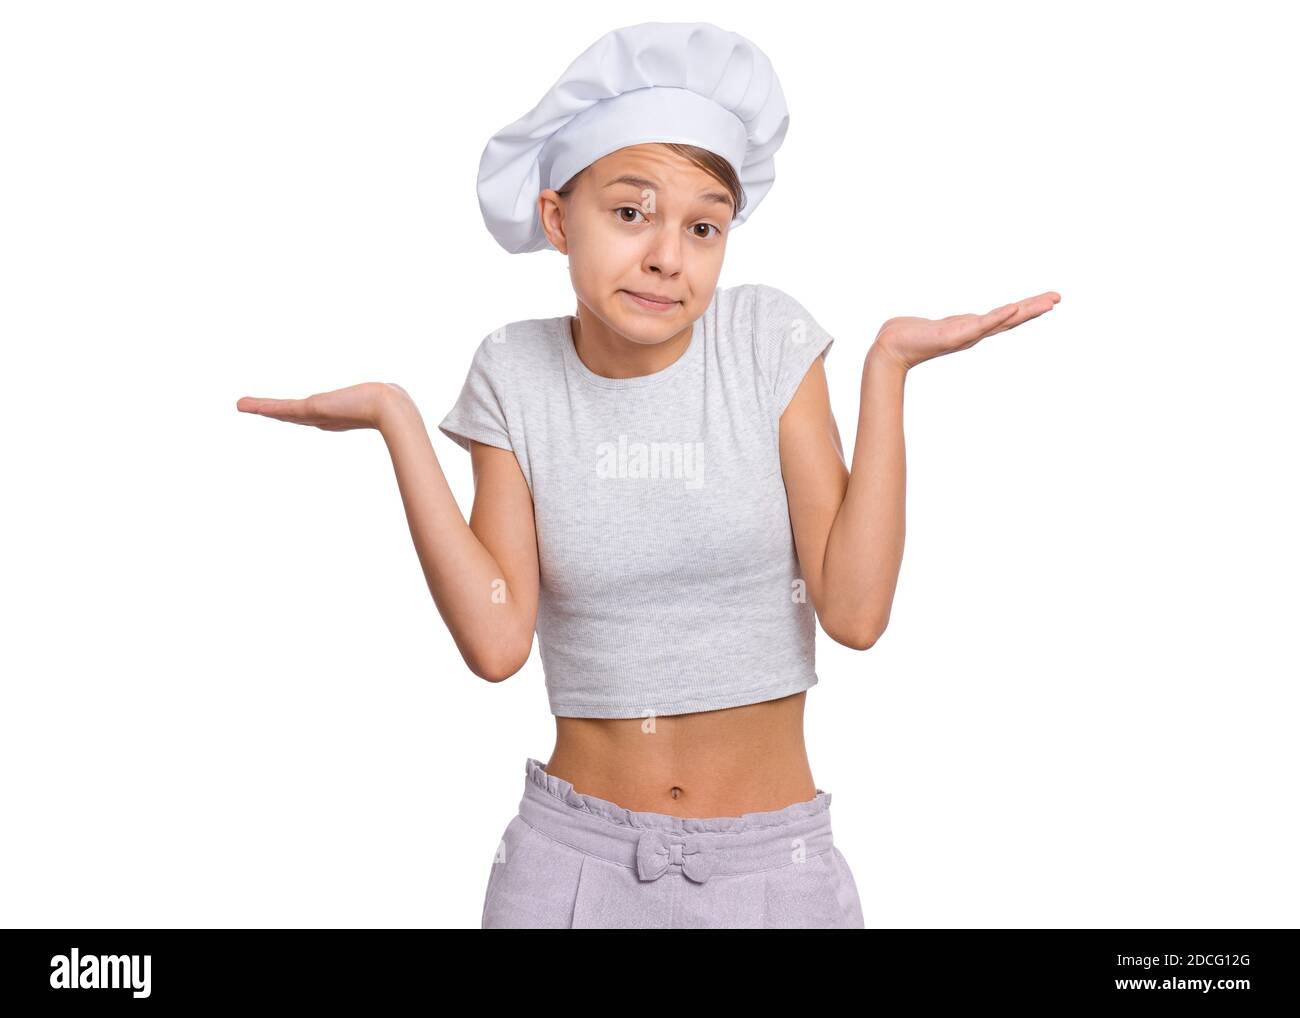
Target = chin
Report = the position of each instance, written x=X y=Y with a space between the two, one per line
x=648 y=330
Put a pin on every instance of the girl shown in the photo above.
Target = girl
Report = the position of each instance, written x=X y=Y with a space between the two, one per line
x=661 y=497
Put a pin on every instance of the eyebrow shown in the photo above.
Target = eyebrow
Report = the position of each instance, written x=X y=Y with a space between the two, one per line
x=720 y=197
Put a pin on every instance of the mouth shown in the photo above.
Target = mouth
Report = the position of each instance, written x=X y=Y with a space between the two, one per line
x=651 y=301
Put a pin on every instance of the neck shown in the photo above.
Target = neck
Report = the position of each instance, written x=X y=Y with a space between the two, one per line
x=613 y=355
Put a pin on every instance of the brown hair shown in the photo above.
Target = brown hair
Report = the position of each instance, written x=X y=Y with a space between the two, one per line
x=710 y=162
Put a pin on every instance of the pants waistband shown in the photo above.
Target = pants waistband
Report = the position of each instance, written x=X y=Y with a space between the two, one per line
x=654 y=843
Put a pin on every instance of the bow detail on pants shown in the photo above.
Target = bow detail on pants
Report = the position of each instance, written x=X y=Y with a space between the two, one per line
x=656 y=851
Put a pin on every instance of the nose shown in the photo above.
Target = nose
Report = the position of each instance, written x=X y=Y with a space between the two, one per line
x=665 y=255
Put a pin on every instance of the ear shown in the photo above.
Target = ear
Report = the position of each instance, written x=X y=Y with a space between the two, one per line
x=550 y=210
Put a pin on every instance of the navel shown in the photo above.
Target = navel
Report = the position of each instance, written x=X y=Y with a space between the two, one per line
x=675 y=791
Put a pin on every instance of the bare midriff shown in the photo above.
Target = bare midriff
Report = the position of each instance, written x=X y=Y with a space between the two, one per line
x=718 y=763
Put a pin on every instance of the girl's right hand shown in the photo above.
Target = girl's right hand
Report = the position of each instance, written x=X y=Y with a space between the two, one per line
x=357 y=406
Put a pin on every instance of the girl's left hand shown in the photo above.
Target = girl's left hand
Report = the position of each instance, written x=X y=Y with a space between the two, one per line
x=913 y=340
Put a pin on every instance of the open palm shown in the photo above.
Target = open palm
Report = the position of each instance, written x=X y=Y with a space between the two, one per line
x=913 y=340
x=357 y=406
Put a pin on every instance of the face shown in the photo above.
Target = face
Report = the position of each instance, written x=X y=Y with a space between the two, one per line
x=642 y=220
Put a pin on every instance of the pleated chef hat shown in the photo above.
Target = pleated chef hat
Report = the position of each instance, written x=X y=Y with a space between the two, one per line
x=691 y=83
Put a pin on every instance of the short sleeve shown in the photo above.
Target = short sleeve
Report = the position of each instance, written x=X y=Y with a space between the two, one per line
x=787 y=339
x=480 y=410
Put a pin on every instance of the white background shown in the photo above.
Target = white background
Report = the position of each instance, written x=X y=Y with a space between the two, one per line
x=228 y=698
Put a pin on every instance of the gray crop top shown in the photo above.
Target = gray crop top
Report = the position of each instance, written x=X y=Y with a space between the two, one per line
x=669 y=578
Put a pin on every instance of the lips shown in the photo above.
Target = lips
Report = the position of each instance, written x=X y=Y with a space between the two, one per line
x=657 y=297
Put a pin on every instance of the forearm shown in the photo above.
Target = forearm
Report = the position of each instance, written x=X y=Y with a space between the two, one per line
x=461 y=573
x=864 y=549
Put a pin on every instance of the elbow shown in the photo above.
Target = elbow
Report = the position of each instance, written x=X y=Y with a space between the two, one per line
x=499 y=663
x=858 y=641
x=858 y=634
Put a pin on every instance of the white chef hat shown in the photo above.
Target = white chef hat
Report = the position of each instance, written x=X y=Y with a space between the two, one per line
x=690 y=83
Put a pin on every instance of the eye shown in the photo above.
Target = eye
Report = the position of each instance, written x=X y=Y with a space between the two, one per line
x=627 y=208
x=717 y=232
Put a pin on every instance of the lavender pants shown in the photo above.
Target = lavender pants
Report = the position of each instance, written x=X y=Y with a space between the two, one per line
x=570 y=861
